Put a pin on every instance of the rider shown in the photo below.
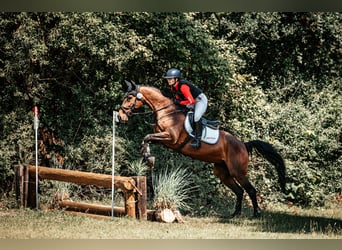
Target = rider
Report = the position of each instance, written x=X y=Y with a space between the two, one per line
x=187 y=94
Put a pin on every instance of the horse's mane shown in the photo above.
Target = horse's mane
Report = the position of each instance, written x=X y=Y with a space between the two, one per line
x=151 y=87
x=163 y=93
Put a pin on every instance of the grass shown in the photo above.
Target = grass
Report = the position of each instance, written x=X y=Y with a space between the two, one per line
x=276 y=223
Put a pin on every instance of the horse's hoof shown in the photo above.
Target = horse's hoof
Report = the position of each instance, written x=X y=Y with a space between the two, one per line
x=143 y=149
x=150 y=161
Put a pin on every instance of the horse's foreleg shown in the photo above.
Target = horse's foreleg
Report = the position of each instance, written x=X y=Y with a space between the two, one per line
x=145 y=152
x=157 y=137
x=145 y=145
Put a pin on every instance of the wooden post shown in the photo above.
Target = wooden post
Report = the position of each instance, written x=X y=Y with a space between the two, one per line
x=141 y=198
x=30 y=192
x=130 y=203
x=25 y=187
x=22 y=185
x=19 y=185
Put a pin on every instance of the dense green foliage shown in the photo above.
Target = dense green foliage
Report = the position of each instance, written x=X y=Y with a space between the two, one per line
x=269 y=76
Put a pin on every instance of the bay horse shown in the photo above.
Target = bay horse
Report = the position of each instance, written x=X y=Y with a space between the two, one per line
x=229 y=155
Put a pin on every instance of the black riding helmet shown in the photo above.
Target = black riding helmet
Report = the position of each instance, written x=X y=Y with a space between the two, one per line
x=173 y=73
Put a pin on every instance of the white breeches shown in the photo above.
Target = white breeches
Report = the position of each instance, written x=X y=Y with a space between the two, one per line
x=200 y=106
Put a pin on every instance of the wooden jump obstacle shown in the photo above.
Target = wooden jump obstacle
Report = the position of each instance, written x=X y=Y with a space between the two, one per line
x=134 y=189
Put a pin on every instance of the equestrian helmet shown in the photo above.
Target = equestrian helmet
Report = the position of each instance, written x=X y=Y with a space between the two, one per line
x=173 y=73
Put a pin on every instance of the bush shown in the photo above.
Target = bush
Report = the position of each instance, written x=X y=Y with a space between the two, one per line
x=310 y=138
x=16 y=146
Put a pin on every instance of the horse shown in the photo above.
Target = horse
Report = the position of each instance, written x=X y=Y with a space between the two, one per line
x=229 y=155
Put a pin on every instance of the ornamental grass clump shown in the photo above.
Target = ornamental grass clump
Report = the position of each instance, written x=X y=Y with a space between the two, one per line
x=138 y=167
x=172 y=189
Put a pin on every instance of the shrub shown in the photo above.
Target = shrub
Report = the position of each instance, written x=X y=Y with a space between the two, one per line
x=16 y=146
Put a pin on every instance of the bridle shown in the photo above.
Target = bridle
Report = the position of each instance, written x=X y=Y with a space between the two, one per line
x=131 y=108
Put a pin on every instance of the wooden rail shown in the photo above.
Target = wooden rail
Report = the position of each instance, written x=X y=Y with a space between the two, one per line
x=132 y=187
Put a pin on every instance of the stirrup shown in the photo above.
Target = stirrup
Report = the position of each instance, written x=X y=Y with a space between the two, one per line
x=196 y=143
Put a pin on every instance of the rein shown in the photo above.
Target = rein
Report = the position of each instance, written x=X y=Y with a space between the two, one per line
x=147 y=112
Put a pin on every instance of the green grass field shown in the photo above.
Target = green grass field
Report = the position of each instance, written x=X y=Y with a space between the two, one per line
x=276 y=223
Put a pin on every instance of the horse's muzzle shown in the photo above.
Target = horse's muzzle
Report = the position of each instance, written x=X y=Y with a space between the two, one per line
x=121 y=117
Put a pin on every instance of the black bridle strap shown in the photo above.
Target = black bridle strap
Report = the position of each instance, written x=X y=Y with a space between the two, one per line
x=124 y=109
x=144 y=113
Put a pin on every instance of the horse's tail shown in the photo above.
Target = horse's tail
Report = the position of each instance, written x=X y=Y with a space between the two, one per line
x=270 y=154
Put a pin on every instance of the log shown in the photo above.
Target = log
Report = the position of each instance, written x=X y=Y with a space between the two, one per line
x=86 y=178
x=151 y=215
x=84 y=207
x=165 y=215
x=178 y=216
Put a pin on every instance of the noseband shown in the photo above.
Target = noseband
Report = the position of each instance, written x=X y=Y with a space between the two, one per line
x=131 y=107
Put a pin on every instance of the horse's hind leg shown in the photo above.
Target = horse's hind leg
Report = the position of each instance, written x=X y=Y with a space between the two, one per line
x=245 y=183
x=221 y=171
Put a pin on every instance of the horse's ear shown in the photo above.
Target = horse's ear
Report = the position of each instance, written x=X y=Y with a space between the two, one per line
x=129 y=86
x=134 y=86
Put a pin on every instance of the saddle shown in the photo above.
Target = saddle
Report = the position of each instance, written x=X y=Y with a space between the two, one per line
x=210 y=129
x=205 y=122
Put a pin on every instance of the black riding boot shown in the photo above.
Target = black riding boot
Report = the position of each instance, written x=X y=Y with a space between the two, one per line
x=196 y=143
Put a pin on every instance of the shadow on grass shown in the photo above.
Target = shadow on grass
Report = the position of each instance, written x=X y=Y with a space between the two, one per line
x=280 y=222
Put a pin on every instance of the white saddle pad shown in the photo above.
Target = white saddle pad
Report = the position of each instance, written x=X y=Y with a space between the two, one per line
x=209 y=135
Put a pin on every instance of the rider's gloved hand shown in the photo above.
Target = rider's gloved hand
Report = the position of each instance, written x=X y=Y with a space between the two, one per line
x=190 y=106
